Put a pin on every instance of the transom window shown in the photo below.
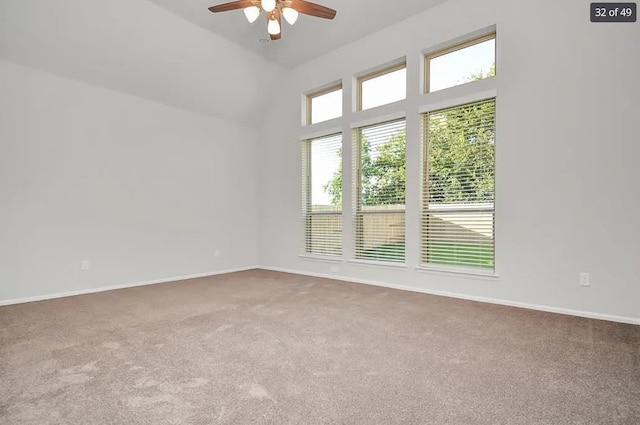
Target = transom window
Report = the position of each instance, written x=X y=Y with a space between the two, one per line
x=324 y=105
x=382 y=87
x=460 y=64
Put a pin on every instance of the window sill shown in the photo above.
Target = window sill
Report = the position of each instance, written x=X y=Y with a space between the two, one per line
x=467 y=273
x=381 y=264
x=323 y=258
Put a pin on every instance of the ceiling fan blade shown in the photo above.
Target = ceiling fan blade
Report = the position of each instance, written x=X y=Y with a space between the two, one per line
x=276 y=13
x=312 y=9
x=234 y=5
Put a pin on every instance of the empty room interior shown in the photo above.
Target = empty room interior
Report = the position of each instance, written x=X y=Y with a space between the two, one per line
x=338 y=212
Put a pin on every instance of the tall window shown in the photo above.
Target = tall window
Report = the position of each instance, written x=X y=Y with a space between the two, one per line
x=379 y=168
x=457 y=219
x=322 y=201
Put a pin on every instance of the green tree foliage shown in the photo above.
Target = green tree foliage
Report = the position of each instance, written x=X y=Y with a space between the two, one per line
x=334 y=187
x=383 y=178
x=461 y=159
x=385 y=181
x=461 y=154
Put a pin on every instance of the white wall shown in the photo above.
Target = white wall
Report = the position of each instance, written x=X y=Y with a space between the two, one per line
x=142 y=190
x=567 y=184
x=140 y=48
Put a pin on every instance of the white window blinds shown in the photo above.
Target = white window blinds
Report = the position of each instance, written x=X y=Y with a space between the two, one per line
x=379 y=191
x=457 y=220
x=322 y=195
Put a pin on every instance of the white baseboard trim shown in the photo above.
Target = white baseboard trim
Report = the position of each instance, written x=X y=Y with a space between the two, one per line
x=578 y=313
x=114 y=287
x=586 y=314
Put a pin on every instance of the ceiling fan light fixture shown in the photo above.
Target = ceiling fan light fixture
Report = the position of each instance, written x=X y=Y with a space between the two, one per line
x=290 y=14
x=252 y=13
x=276 y=11
x=273 y=27
x=268 y=5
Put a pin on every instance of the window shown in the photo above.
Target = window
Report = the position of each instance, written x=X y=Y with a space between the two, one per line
x=454 y=193
x=379 y=165
x=382 y=87
x=457 y=220
x=322 y=195
x=461 y=64
x=324 y=105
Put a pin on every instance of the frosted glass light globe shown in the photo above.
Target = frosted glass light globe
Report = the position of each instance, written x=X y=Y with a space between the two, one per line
x=268 y=5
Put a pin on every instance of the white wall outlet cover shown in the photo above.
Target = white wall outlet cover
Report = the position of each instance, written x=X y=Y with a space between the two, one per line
x=585 y=279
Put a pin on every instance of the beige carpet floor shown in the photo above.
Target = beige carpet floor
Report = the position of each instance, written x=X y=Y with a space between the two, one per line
x=267 y=348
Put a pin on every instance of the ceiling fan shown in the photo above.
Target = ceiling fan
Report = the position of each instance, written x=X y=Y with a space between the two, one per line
x=275 y=9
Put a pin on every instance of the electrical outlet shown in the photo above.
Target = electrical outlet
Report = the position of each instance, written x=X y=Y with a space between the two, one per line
x=585 y=279
x=216 y=253
x=84 y=265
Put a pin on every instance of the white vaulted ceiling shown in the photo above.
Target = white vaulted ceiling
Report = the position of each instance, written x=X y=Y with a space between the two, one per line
x=310 y=37
x=136 y=47
x=177 y=52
